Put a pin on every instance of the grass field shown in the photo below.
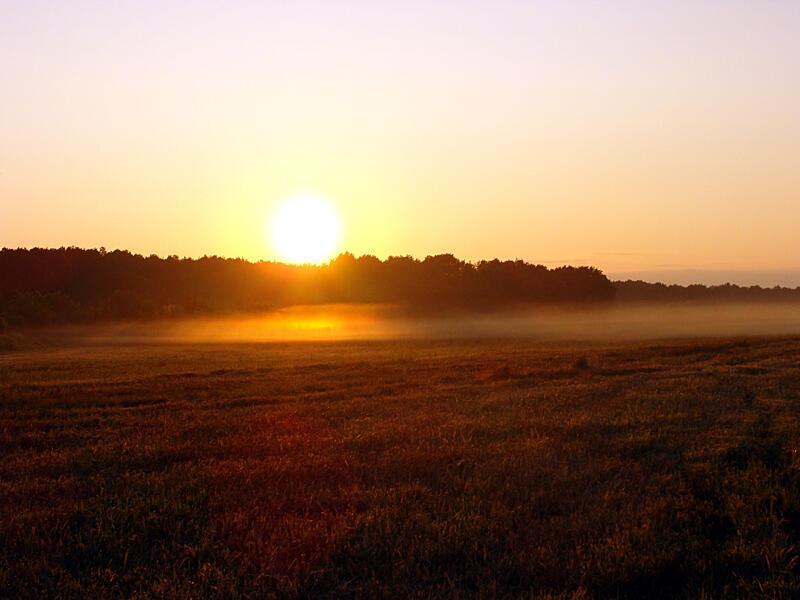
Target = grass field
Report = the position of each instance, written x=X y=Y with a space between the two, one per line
x=402 y=469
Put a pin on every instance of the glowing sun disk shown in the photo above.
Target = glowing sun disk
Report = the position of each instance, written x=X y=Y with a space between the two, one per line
x=306 y=229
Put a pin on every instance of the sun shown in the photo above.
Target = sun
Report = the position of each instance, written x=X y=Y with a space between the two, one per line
x=306 y=229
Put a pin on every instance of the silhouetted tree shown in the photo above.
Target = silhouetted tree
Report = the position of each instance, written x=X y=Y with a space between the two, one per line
x=641 y=291
x=39 y=286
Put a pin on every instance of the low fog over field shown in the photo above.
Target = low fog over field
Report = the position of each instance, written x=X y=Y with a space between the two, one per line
x=355 y=322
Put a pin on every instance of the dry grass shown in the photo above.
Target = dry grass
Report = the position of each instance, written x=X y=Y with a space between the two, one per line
x=413 y=469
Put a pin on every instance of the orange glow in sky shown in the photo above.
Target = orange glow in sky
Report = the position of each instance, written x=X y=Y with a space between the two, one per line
x=629 y=136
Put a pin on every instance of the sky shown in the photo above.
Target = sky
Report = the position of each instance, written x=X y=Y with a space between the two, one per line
x=655 y=138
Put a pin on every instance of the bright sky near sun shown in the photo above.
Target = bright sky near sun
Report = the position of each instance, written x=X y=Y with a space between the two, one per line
x=634 y=136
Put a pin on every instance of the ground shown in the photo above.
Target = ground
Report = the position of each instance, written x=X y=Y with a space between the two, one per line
x=401 y=469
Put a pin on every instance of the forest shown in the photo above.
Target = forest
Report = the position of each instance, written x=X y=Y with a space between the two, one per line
x=71 y=285
x=45 y=286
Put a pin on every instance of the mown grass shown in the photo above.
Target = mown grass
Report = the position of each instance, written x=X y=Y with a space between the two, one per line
x=401 y=469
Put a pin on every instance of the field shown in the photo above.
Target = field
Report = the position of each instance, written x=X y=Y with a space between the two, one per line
x=402 y=469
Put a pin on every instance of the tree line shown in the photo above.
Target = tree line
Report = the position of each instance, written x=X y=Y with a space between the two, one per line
x=641 y=291
x=44 y=286
x=68 y=285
